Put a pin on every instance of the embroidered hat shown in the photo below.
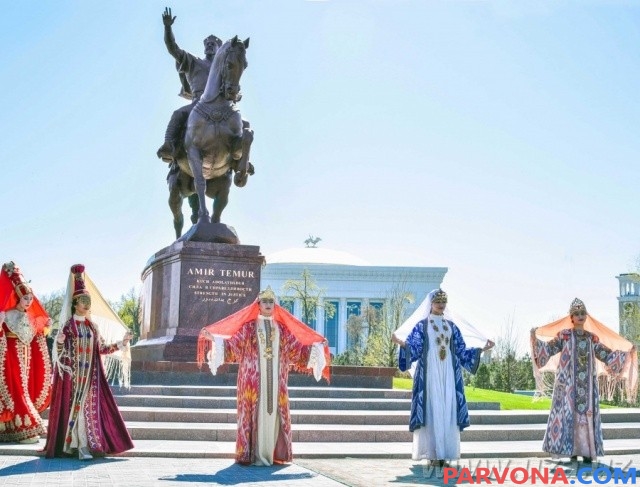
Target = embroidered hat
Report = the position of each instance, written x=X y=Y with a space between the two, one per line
x=267 y=294
x=79 y=288
x=439 y=297
x=20 y=285
x=577 y=305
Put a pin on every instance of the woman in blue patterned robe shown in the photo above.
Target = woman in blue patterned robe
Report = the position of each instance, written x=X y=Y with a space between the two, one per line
x=574 y=427
x=438 y=406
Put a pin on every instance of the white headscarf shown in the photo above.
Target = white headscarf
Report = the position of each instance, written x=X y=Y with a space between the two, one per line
x=117 y=365
x=472 y=337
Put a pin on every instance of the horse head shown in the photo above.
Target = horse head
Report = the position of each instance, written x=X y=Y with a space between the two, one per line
x=228 y=65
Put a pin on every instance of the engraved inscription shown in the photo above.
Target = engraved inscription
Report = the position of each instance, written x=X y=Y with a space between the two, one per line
x=220 y=285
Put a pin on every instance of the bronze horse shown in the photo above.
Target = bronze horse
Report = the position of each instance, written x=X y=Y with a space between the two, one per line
x=217 y=141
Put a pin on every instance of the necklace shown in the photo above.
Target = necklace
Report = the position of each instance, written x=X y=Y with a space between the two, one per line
x=441 y=340
x=266 y=347
x=19 y=324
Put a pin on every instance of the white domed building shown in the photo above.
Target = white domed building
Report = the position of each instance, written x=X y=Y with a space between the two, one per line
x=348 y=282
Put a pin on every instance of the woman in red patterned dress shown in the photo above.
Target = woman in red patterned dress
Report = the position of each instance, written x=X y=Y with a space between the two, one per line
x=25 y=367
x=266 y=341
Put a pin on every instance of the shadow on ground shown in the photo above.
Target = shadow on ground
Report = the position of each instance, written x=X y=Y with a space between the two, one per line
x=236 y=474
x=43 y=465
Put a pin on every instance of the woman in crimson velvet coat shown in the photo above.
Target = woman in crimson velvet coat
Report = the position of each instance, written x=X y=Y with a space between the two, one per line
x=84 y=418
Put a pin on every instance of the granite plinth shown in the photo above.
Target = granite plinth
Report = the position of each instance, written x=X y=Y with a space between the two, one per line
x=187 y=286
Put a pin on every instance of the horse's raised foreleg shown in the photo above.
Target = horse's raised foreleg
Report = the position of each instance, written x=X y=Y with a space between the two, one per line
x=243 y=167
x=175 y=200
x=195 y=163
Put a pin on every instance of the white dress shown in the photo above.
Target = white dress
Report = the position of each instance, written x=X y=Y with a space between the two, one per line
x=440 y=438
x=268 y=422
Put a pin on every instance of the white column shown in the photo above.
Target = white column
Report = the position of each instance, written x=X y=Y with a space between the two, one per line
x=320 y=317
x=342 y=326
x=297 y=308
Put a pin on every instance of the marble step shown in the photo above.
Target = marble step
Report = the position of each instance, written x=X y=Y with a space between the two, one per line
x=297 y=392
x=302 y=450
x=331 y=433
x=230 y=402
x=348 y=417
x=374 y=404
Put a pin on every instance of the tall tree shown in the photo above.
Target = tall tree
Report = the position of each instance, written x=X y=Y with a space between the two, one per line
x=356 y=340
x=52 y=304
x=128 y=309
x=507 y=352
x=357 y=331
x=380 y=350
x=482 y=378
x=310 y=296
x=630 y=322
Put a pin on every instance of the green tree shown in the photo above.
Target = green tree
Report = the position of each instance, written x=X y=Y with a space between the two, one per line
x=370 y=333
x=496 y=375
x=310 y=296
x=506 y=351
x=525 y=380
x=482 y=378
x=52 y=304
x=128 y=309
x=356 y=338
x=380 y=350
x=630 y=322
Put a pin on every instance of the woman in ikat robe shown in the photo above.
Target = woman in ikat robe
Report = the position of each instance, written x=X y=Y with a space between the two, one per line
x=438 y=405
x=265 y=341
x=574 y=427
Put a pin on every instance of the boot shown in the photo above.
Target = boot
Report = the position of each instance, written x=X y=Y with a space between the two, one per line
x=166 y=152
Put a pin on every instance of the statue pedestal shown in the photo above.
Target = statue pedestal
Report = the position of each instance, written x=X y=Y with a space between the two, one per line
x=187 y=286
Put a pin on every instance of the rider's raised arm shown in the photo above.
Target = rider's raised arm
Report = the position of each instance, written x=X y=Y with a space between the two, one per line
x=169 y=39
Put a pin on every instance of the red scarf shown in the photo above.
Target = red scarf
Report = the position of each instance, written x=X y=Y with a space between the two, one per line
x=227 y=327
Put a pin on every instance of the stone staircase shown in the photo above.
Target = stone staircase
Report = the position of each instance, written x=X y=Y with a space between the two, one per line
x=328 y=415
x=200 y=421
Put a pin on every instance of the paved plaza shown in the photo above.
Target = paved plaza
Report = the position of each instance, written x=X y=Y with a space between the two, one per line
x=148 y=472
x=19 y=470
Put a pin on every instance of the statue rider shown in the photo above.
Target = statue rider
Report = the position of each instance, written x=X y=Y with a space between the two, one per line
x=194 y=73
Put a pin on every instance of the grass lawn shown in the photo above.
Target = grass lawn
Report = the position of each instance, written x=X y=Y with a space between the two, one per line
x=507 y=401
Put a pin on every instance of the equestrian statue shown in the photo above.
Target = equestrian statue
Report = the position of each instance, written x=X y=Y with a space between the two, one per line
x=207 y=143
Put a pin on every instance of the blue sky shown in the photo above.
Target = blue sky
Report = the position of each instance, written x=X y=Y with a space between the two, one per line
x=496 y=138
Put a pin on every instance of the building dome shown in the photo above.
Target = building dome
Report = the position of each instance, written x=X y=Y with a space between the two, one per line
x=315 y=255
